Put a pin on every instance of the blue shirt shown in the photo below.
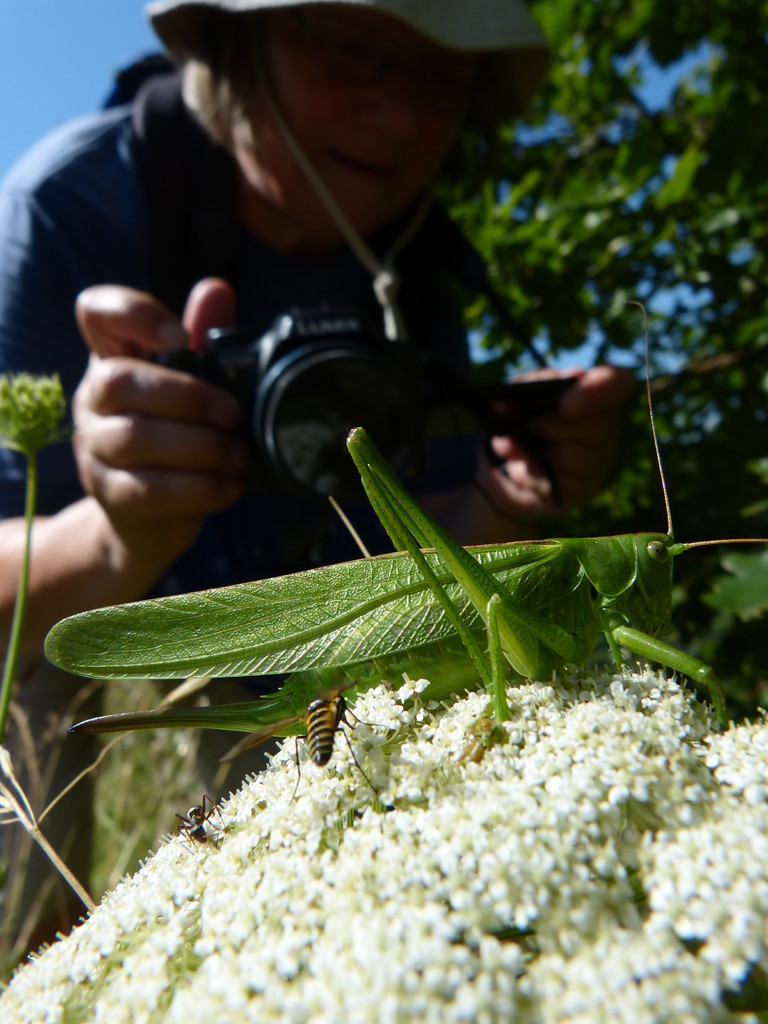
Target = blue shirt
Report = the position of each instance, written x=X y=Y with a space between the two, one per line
x=72 y=215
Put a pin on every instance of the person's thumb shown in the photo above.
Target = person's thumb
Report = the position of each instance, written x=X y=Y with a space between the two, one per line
x=211 y=303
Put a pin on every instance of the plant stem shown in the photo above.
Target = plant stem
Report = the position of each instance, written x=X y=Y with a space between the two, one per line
x=20 y=606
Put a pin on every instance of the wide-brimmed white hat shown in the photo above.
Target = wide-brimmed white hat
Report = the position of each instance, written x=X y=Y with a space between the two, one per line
x=501 y=27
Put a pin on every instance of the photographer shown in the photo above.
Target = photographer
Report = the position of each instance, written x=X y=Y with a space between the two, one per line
x=376 y=105
x=324 y=126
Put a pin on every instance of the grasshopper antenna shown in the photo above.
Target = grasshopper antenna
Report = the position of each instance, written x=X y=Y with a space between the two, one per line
x=656 y=448
x=725 y=540
x=352 y=531
x=678 y=548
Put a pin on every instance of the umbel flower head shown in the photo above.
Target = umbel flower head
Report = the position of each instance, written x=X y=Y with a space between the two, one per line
x=602 y=856
x=31 y=411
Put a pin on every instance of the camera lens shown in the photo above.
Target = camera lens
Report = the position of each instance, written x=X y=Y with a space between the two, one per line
x=308 y=401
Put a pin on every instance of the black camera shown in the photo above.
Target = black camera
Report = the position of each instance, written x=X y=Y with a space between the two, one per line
x=317 y=373
x=304 y=384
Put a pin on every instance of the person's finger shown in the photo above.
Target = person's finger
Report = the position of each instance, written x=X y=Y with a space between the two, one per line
x=123 y=385
x=133 y=442
x=156 y=493
x=115 y=320
x=211 y=303
x=600 y=389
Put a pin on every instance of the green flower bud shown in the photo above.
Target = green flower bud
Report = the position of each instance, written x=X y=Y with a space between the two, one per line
x=31 y=411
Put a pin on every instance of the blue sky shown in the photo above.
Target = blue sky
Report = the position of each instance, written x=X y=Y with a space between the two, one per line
x=56 y=61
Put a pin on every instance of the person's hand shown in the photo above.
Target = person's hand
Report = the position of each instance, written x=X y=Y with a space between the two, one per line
x=154 y=445
x=578 y=442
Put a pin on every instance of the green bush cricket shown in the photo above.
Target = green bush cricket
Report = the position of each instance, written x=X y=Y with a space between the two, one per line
x=552 y=614
x=533 y=606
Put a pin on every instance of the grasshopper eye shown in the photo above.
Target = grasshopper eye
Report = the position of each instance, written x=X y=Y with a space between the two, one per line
x=657 y=550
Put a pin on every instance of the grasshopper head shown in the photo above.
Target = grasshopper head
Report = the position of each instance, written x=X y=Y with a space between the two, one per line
x=651 y=599
x=650 y=603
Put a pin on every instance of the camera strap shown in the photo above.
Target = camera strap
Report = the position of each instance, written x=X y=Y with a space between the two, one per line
x=189 y=186
x=462 y=260
x=386 y=279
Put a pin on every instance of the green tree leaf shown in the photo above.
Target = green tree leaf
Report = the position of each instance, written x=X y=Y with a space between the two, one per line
x=743 y=588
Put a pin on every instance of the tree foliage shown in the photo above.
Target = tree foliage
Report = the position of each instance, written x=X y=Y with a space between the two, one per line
x=609 y=192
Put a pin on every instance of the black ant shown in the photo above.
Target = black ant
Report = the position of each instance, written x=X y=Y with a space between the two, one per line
x=193 y=825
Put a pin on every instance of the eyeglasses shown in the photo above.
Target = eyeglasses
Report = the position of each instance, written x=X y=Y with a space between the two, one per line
x=348 y=54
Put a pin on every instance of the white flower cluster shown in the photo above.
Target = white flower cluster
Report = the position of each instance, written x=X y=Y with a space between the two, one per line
x=603 y=856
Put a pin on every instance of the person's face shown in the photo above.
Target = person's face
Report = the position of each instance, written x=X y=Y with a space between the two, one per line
x=374 y=106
